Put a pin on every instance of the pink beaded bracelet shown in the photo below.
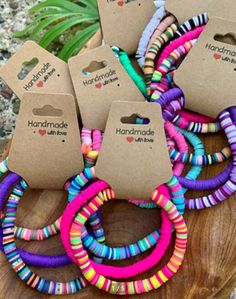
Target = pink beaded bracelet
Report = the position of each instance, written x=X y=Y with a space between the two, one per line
x=89 y=269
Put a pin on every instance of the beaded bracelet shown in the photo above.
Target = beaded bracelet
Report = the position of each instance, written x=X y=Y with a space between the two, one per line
x=195 y=160
x=229 y=187
x=13 y=256
x=160 y=29
x=191 y=24
x=156 y=85
x=129 y=271
x=141 y=246
x=152 y=52
x=191 y=35
x=30 y=258
x=192 y=174
x=168 y=98
x=54 y=228
x=127 y=65
x=88 y=267
x=147 y=33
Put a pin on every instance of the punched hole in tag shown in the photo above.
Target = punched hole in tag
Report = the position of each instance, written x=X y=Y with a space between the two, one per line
x=228 y=38
x=94 y=66
x=27 y=67
x=135 y=119
x=47 y=111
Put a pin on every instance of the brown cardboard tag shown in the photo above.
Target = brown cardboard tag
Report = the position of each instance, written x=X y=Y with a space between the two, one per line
x=134 y=159
x=186 y=9
x=33 y=68
x=208 y=73
x=46 y=147
x=99 y=79
x=123 y=21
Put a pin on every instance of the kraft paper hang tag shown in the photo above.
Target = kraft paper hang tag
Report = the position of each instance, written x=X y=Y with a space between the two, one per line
x=123 y=21
x=46 y=147
x=186 y=9
x=134 y=159
x=207 y=76
x=33 y=69
x=99 y=79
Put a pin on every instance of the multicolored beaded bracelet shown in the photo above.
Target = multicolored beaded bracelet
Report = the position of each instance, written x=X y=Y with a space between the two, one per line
x=229 y=187
x=54 y=228
x=191 y=35
x=129 y=271
x=152 y=52
x=169 y=98
x=141 y=246
x=192 y=174
x=148 y=32
x=12 y=254
x=170 y=19
x=156 y=85
x=30 y=258
x=191 y=24
x=88 y=267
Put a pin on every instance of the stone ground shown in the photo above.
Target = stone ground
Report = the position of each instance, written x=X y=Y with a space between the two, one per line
x=14 y=17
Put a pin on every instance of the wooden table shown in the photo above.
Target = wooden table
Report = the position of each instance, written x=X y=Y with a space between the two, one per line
x=208 y=270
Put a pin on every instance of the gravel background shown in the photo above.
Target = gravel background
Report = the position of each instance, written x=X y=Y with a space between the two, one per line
x=14 y=17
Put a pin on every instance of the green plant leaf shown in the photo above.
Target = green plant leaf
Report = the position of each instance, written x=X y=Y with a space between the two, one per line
x=61 y=27
x=48 y=21
x=67 y=5
x=34 y=22
x=77 y=42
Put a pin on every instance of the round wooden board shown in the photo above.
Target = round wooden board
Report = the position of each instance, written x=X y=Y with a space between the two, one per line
x=208 y=270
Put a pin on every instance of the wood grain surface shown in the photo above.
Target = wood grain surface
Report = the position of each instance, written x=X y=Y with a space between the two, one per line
x=208 y=270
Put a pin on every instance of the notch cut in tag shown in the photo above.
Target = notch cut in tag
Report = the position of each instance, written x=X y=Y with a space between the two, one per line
x=46 y=147
x=98 y=89
x=228 y=38
x=184 y=10
x=207 y=75
x=94 y=66
x=123 y=21
x=132 y=119
x=134 y=158
x=27 y=67
x=33 y=69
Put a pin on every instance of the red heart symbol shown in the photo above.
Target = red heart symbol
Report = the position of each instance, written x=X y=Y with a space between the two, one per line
x=98 y=85
x=130 y=139
x=120 y=3
x=217 y=56
x=42 y=132
x=40 y=84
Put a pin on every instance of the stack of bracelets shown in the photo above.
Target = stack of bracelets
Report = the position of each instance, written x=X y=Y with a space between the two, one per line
x=163 y=45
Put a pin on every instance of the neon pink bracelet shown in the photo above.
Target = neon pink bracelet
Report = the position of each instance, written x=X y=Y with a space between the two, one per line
x=194 y=34
x=114 y=272
x=135 y=287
